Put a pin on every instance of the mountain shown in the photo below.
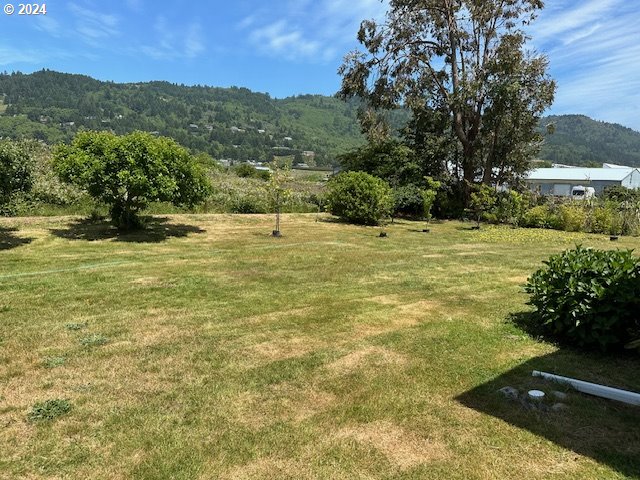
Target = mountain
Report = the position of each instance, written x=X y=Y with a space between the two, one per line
x=224 y=122
x=240 y=124
x=582 y=141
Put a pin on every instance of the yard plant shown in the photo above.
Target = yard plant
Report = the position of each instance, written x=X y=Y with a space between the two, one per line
x=589 y=298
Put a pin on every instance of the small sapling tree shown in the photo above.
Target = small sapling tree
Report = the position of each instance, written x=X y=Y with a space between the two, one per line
x=277 y=191
x=483 y=198
x=428 y=198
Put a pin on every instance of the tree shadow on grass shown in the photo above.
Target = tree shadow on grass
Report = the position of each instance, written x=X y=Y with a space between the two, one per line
x=9 y=241
x=155 y=230
x=604 y=430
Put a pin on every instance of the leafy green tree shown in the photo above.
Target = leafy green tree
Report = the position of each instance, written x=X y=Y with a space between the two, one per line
x=468 y=60
x=359 y=198
x=483 y=198
x=390 y=160
x=15 y=170
x=127 y=172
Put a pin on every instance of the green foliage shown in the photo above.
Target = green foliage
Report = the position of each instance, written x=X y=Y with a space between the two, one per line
x=244 y=170
x=389 y=160
x=476 y=103
x=127 y=172
x=359 y=198
x=232 y=123
x=580 y=140
x=509 y=208
x=429 y=195
x=408 y=200
x=94 y=340
x=483 y=198
x=15 y=170
x=588 y=298
x=49 y=410
x=619 y=194
x=537 y=217
x=53 y=362
x=76 y=326
x=571 y=218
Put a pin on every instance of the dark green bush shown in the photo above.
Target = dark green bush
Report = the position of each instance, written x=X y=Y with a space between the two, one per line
x=359 y=198
x=588 y=298
x=408 y=200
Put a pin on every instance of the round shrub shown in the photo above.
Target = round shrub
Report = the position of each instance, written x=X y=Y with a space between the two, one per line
x=536 y=217
x=572 y=218
x=588 y=298
x=359 y=198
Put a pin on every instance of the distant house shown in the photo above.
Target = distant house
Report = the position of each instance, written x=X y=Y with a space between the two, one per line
x=560 y=181
x=288 y=139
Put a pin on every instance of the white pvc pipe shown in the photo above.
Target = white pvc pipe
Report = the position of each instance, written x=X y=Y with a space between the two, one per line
x=593 y=388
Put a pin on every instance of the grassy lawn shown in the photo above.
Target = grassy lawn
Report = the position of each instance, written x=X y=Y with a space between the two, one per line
x=207 y=349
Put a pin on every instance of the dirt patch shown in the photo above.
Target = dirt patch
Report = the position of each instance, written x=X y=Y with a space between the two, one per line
x=402 y=448
x=367 y=357
x=281 y=403
x=151 y=282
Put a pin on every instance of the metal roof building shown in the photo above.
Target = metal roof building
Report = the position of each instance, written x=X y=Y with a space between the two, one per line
x=560 y=181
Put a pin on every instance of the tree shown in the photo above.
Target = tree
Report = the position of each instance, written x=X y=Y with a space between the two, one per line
x=465 y=61
x=359 y=198
x=429 y=195
x=276 y=190
x=15 y=170
x=390 y=160
x=482 y=200
x=127 y=172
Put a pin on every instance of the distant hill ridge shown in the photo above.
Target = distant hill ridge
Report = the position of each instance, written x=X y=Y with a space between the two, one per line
x=581 y=141
x=240 y=124
x=231 y=122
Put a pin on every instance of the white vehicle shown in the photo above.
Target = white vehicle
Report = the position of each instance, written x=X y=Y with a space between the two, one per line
x=582 y=193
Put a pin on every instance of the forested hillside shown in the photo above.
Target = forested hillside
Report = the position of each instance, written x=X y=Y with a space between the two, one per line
x=240 y=124
x=224 y=122
x=580 y=140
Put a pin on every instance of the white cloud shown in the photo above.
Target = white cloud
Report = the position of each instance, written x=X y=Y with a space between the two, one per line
x=593 y=56
x=310 y=31
x=94 y=26
x=173 y=42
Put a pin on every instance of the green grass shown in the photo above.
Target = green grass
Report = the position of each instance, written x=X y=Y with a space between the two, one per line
x=328 y=353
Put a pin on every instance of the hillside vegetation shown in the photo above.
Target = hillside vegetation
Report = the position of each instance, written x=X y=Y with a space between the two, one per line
x=231 y=123
x=240 y=124
x=580 y=140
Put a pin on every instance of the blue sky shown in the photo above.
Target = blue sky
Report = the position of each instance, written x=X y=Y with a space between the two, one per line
x=288 y=47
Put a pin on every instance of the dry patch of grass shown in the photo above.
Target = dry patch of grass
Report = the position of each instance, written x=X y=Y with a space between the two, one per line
x=402 y=448
x=281 y=403
x=368 y=357
x=283 y=348
x=270 y=468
